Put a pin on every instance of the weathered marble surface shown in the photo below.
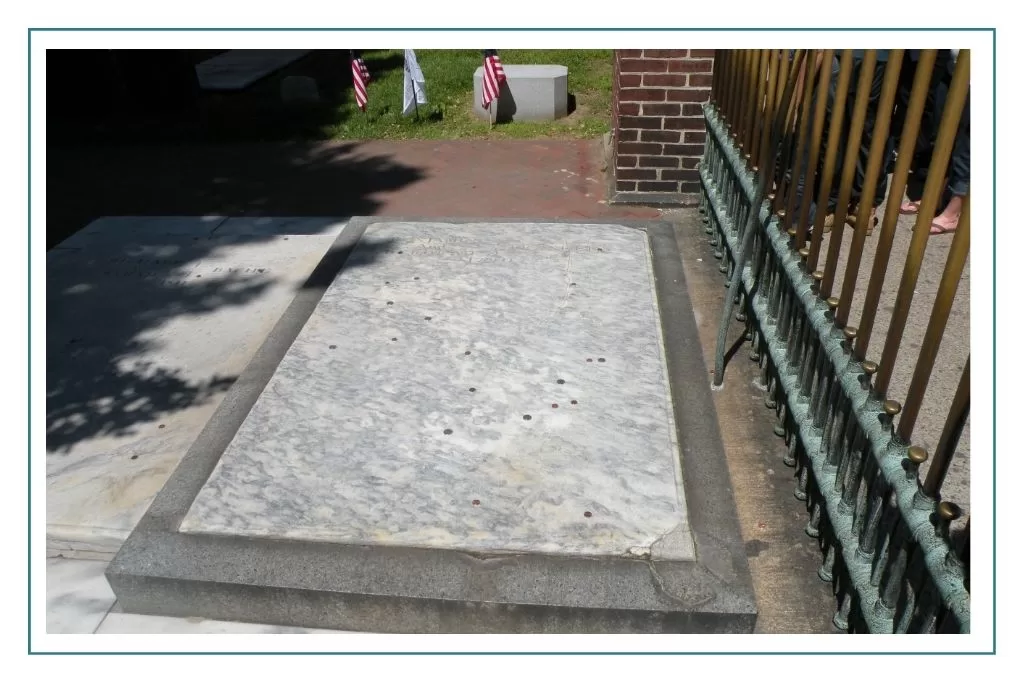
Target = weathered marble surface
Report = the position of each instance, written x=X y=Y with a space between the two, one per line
x=78 y=596
x=148 y=322
x=468 y=328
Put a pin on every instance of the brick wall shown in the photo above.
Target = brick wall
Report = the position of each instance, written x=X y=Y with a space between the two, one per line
x=659 y=132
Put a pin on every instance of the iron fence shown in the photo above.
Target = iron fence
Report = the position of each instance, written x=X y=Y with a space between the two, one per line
x=799 y=146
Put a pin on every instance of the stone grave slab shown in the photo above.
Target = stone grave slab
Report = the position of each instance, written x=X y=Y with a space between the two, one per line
x=470 y=426
x=149 y=320
x=238 y=69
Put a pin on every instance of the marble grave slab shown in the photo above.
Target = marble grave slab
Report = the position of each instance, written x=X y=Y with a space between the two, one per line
x=478 y=389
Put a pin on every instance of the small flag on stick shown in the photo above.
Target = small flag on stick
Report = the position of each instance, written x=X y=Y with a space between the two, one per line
x=360 y=77
x=494 y=76
x=415 y=86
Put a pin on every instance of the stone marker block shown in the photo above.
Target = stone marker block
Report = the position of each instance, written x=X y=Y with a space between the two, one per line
x=532 y=92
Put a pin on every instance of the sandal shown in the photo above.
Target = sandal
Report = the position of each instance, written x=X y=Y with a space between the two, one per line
x=940 y=229
x=851 y=219
x=830 y=220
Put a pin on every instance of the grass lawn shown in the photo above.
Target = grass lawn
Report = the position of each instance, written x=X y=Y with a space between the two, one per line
x=449 y=86
x=257 y=114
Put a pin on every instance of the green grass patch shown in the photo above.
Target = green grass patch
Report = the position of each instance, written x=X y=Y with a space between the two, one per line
x=449 y=86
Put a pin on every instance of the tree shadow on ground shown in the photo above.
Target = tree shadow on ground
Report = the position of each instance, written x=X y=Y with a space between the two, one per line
x=142 y=97
x=116 y=299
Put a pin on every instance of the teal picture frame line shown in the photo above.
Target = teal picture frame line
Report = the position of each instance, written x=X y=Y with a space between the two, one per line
x=803 y=29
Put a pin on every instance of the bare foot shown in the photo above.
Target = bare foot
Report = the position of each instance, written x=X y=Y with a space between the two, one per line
x=909 y=208
x=948 y=219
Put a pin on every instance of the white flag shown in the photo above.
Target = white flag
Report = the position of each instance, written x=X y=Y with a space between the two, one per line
x=415 y=86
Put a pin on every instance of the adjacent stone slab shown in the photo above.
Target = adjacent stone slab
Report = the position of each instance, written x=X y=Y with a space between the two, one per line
x=149 y=321
x=238 y=69
x=77 y=595
x=532 y=92
x=368 y=517
x=117 y=622
x=470 y=388
x=135 y=230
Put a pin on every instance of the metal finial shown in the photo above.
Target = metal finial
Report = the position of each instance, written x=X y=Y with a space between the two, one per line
x=917 y=455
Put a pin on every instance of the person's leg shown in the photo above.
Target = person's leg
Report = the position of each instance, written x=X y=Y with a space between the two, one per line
x=959 y=175
x=875 y=194
x=927 y=133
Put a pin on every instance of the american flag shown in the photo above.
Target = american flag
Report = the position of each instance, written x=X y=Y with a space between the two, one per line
x=360 y=77
x=494 y=76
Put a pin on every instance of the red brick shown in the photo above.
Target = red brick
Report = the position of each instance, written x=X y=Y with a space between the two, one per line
x=640 y=148
x=641 y=95
x=670 y=54
x=695 y=95
x=644 y=122
x=675 y=174
x=625 y=185
x=627 y=135
x=642 y=66
x=690 y=162
x=685 y=123
x=629 y=108
x=692 y=110
x=659 y=109
x=665 y=80
x=629 y=80
x=699 y=80
x=691 y=66
x=685 y=150
x=659 y=162
x=694 y=136
x=630 y=53
x=657 y=186
x=636 y=174
x=659 y=136
x=625 y=161
x=702 y=53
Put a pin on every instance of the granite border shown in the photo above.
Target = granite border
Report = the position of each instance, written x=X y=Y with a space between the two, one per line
x=356 y=588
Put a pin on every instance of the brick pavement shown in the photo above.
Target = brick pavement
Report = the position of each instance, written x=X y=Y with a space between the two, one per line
x=461 y=178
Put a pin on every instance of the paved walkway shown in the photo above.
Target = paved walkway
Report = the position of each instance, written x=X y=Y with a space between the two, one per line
x=458 y=179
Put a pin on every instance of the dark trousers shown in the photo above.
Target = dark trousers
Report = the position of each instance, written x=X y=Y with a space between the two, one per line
x=874 y=194
x=960 y=160
x=862 y=150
